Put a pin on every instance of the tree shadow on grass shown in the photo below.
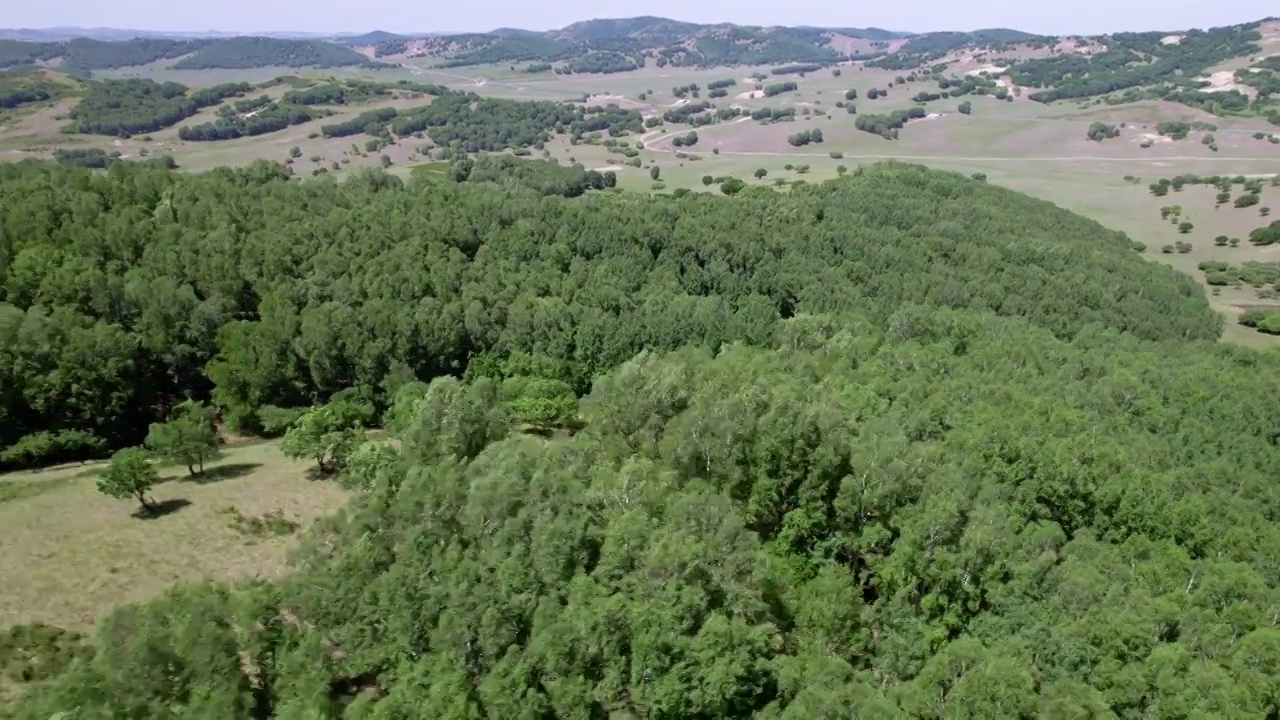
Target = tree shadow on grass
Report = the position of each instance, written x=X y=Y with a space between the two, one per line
x=219 y=473
x=160 y=509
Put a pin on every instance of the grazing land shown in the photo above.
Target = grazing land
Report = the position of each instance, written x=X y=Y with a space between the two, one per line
x=72 y=555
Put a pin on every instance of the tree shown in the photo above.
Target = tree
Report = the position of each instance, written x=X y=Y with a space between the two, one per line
x=708 y=180
x=732 y=186
x=1185 y=227
x=187 y=438
x=129 y=475
x=655 y=173
x=760 y=173
x=965 y=108
x=327 y=434
x=841 y=169
x=1264 y=211
x=851 y=94
x=543 y=404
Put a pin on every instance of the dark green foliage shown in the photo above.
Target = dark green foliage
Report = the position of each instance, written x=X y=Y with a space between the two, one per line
x=689 y=139
x=851 y=94
x=1246 y=200
x=721 y=84
x=1133 y=60
x=19 y=88
x=681 y=91
x=128 y=107
x=1268 y=235
x=128 y=289
x=48 y=447
x=887 y=126
x=1263 y=320
x=255 y=52
x=858 y=517
x=259 y=121
x=370 y=122
x=965 y=108
x=534 y=68
x=691 y=113
x=779 y=88
x=95 y=158
x=941 y=42
x=31 y=653
x=805 y=137
x=768 y=115
x=83 y=55
x=544 y=177
x=1101 y=131
x=471 y=124
x=796 y=69
x=598 y=62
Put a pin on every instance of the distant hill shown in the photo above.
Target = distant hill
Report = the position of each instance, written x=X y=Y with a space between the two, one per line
x=1058 y=69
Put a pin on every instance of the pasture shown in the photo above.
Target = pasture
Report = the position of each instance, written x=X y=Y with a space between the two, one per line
x=72 y=554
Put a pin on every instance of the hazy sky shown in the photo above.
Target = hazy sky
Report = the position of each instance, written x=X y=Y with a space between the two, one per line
x=1075 y=16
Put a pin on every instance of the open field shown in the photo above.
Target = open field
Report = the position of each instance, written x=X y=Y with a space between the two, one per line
x=72 y=554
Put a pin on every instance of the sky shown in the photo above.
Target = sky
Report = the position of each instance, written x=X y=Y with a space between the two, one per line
x=330 y=16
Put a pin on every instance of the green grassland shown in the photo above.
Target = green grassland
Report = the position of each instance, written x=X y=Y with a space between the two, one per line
x=71 y=554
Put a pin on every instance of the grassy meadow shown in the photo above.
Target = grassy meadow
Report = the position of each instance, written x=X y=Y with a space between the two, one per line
x=72 y=554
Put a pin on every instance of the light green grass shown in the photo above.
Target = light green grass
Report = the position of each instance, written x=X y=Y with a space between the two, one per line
x=72 y=554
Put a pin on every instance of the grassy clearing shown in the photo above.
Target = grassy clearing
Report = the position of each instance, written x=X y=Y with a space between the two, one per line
x=71 y=555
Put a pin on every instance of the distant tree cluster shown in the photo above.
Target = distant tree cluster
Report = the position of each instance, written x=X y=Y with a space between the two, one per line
x=767 y=115
x=685 y=113
x=796 y=69
x=258 y=121
x=888 y=125
x=721 y=84
x=128 y=107
x=542 y=176
x=681 y=91
x=602 y=62
x=805 y=137
x=371 y=122
x=689 y=139
x=1099 y=131
x=1133 y=60
x=256 y=52
x=779 y=88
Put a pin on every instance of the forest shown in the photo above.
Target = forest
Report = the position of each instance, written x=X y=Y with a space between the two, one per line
x=80 y=56
x=235 y=297
x=256 y=52
x=128 y=107
x=257 y=119
x=900 y=445
x=1134 y=60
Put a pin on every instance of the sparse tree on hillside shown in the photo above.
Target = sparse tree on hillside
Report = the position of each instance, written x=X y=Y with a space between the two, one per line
x=760 y=173
x=1264 y=211
x=129 y=475
x=327 y=434
x=188 y=438
x=708 y=180
x=1185 y=227
x=965 y=108
x=655 y=173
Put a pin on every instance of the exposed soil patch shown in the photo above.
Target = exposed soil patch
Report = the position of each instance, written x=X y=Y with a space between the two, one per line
x=1225 y=81
x=1171 y=39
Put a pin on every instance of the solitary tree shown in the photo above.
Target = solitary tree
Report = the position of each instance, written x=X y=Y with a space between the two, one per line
x=655 y=173
x=760 y=173
x=708 y=180
x=1264 y=211
x=327 y=434
x=188 y=438
x=1185 y=227
x=129 y=475
x=966 y=107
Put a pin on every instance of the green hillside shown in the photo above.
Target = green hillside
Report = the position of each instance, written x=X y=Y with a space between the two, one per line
x=899 y=445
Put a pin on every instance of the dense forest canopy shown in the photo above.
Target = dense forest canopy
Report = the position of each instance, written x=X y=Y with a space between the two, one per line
x=253 y=52
x=900 y=445
x=146 y=285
